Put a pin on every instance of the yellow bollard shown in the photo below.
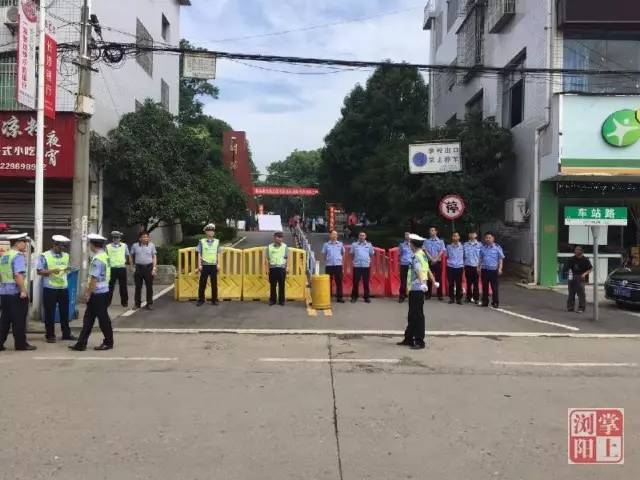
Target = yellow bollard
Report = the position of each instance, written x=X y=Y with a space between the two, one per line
x=321 y=292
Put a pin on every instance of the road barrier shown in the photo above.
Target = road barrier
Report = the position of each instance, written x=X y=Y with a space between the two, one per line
x=229 y=275
x=255 y=276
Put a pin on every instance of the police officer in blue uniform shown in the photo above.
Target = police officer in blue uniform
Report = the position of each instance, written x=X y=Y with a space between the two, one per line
x=434 y=247
x=333 y=252
x=405 y=254
x=361 y=254
x=471 y=259
x=490 y=268
x=455 y=267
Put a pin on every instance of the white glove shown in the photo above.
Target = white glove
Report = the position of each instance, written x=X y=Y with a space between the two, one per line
x=423 y=287
x=437 y=284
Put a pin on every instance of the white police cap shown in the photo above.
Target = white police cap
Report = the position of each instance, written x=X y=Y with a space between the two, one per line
x=60 y=239
x=116 y=233
x=417 y=238
x=209 y=226
x=16 y=236
x=95 y=237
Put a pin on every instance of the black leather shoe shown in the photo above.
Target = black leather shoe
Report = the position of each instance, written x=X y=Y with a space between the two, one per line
x=405 y=343
x=495 y=305
x=214 y=302
x=27 y=348
x=148 y=307
x=459 y=302
x=367 y=300
x=103 y=347
x=281 y=304
x=451 y=301
x=77 y=348
x=199 y=303
x=271 y=304
x=50 y=339
x=354 y=300
x=418 y=346
x=125 y=305
x=2 y=349
x=401 y=300
x=340 y=300
x=440 y=299
x=70 y=337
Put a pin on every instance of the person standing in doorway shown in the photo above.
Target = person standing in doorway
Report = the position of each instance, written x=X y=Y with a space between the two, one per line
x=471 y=258
x=405 y=255
x=208 y=251
x=361 y=254
x=145 y=258
x=455 y=267
x=578 y=269
x=118 y=253
x=53 y=267
x=277 y=256
x=333 y=252
x=490 y=265
x=434 y=248
x=14 y=297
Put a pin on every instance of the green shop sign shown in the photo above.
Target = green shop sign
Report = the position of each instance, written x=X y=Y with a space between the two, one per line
x=606 y=216
x=622 y=128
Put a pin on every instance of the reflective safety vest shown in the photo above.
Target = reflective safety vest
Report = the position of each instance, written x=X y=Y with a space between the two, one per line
x=117 y=255
x=209 y=252
x=424 y=264
x=6 y=266
x=276 y=255
x=57 y=280
x=104 y=258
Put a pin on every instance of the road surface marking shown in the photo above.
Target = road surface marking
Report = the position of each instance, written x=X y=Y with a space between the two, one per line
x=329 y=360
x=128 y=313
x=566 y=364
x=238 y=242
x=106 y=359
x=537 y=320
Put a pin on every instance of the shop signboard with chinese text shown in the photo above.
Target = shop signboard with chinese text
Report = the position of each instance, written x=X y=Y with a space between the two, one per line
x=199 y=65
x=26 y=54
x=438 y=157
x=287 y=191
x=50 y=71
x=18 y=145
x=596 y=216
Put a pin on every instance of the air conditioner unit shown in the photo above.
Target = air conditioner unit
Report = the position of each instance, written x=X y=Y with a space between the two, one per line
x=10 y=17
x=515 y=210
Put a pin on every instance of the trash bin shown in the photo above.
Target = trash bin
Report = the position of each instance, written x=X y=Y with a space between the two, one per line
x=321 y=292
x=72 y=288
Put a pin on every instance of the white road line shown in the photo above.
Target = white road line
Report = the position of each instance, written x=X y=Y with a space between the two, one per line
x=566 y=364
x=128 y=313
x=374 y=333
x=107 y=359
x=537 y=320
x=238 y=242
x=329 y=360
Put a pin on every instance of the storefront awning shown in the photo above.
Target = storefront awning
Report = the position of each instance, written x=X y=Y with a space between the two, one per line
x=595 y=178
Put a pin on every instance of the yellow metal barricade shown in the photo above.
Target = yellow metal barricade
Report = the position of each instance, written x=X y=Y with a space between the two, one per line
x=255 y=280
x=229 y=275
x=296 y=282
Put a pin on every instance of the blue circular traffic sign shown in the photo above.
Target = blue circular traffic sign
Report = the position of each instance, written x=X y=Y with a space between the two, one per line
x=420 y=159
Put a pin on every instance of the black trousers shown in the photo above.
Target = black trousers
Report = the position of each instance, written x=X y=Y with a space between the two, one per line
x=96 y=307
x=143 y=274
x=360 y=273
x=454 y=282
x=335 y=274
x=436 y=270
x=208 y=271
x=404 y=270
x=277 y=277
x=473 y=283
x=576 y=287
x=14 y=318
x=51 y=298
x=490 y=277
x=415 y=318
x=119 y=275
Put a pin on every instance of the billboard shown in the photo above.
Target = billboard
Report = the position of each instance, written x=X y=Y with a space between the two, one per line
x=438 y=157
x=26 y=56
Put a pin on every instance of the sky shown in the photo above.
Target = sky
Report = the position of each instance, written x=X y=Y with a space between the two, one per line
x=280 y=111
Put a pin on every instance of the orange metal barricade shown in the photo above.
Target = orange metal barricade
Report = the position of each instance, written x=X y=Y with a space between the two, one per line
x=393 y=278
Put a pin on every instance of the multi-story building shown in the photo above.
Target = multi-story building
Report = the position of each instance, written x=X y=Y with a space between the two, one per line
x=117 y=89
x=562 y=156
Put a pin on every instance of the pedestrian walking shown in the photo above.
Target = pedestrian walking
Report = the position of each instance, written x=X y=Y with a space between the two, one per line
x=434 y=248
x=14 y=298
x=333 y=252
x=490 y=264
x=118 y=253
x=417 y=276
x=97 y=296
x=145 y=258
x=471 y=259
x=208 y=250
x=277 y=256
x=455 y=268
x=53 y=267
x=405 y=255
x=578 y=269
x=361 y=253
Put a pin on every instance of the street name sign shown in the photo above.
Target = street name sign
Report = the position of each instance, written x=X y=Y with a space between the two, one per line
x=596 y=216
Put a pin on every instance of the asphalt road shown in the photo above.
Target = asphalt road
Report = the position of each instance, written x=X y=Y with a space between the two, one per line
x=167 y=406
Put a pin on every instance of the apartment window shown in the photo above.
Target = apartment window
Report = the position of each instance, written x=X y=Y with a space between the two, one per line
x=452 y=75
x=144 y=39
x=474 y=107
x=164 y=94
x=8 y=75
x=513 y=88
x=138 y=105
x=453 y=10
x=471 y=40
x=604 y=51
x=166 y=27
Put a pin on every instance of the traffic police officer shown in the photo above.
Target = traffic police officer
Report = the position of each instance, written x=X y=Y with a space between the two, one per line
x=455 y=268
x=118 y=255
x=277 y=255
x=417 y=277
x=13 y=293
x=208 y=250
x=97 y=296
x=405 y=255
x=471 y=258
x=333 y=252
x=490 y=268
x=53 y=267
x=434 y=247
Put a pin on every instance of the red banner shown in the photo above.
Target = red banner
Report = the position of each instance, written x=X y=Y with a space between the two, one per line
x=50 y=74
x=286 y=191
x=18 y=145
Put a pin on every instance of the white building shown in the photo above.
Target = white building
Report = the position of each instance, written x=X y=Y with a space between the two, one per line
x=544 y=34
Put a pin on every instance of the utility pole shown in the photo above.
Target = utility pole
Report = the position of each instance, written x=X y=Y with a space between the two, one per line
x=84 y=110
x=38 y=229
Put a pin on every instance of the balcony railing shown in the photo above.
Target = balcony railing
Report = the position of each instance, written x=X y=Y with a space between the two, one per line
x=499 y=13
x=429 y=14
